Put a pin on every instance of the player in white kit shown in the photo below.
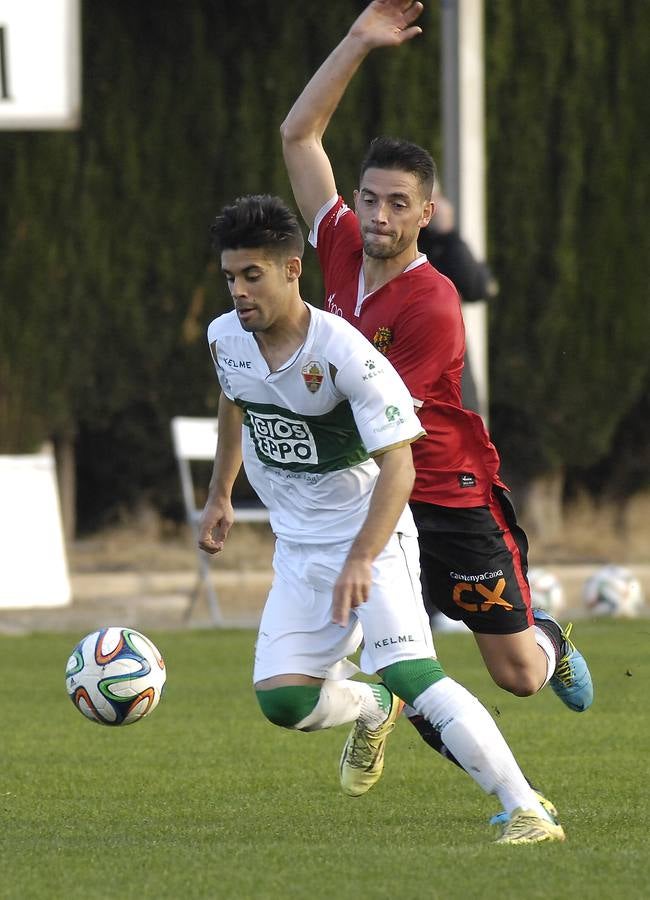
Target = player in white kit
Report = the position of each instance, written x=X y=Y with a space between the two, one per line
x=323 y=425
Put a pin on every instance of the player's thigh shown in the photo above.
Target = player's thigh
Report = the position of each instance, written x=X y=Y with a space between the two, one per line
x=394 y=621
x=296 y=633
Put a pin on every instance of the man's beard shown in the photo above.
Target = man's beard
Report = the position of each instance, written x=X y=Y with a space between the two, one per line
x=378 y=250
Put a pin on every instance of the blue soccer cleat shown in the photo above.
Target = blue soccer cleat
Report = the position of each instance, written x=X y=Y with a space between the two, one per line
x=571 y=680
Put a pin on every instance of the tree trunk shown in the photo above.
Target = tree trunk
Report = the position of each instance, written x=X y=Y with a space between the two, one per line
x=542 y=508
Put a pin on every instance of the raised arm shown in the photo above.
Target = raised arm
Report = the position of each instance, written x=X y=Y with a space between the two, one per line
x=218 y=516
x=384 y=23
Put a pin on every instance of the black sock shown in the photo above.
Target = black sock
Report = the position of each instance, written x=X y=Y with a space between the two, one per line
x=432 y=737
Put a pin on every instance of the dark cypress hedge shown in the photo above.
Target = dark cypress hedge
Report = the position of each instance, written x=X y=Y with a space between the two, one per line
x=106 y=278
x=569 y=188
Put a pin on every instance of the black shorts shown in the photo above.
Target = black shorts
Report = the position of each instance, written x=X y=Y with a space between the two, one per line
x=474 y=563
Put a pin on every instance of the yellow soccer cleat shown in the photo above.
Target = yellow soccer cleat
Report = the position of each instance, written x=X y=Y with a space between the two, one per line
x=503 y=818
x=362 y=760
x=526 y=827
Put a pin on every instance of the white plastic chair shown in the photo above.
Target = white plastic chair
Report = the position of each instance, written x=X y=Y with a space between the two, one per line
x=195 y=439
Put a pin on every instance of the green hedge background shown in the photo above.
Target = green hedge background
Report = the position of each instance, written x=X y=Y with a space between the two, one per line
x=106 y=279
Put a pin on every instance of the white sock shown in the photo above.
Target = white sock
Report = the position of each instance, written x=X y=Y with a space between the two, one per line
x=342 y=702
x=471 y=734
x=546 y=645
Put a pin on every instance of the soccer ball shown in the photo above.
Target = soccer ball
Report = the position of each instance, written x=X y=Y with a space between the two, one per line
x=546 y=591
x=115 y=676
x=613 y=591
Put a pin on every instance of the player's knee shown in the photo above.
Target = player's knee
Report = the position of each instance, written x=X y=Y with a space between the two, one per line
x=410 y=677
x=517 y=680
x=289 y=705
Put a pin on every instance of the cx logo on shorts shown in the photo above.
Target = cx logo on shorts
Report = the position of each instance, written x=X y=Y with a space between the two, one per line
x=490 y=597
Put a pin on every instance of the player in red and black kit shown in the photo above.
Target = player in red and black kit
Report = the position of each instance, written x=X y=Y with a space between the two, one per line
x=473 y=553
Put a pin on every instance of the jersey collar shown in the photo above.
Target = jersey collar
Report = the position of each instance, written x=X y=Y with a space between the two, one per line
x=362 y=296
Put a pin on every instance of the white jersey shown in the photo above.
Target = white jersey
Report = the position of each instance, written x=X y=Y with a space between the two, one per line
x=312 y=426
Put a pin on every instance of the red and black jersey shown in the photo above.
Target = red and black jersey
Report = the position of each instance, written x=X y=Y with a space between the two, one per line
x=416 y=321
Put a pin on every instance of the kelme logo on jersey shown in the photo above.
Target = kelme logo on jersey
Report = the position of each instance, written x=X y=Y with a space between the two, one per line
x=313 y=374
x=282 y=440
x=382 y=339
x=372 y=370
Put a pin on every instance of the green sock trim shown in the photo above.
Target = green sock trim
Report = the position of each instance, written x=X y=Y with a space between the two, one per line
x=286 y=706
x=382 y=696
x=409 y=678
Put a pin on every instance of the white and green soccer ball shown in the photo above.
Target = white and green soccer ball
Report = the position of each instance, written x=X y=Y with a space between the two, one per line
x=115 y=676
x=613 y=591
x=546 y=591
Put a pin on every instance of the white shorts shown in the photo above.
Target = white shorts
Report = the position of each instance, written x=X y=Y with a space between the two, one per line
x=297 y=635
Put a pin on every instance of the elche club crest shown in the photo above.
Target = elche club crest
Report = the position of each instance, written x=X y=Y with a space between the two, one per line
x=313 y=375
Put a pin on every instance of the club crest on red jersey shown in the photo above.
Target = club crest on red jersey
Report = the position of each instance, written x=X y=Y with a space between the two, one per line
x=382 y=339
x=313 y=375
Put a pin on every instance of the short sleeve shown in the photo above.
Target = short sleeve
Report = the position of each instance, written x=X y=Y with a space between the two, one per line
x=337 y=239
x=380 y=402
x=222 y=374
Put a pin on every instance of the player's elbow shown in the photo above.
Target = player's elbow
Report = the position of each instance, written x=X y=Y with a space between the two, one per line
x=288 y=131
x=295 y=133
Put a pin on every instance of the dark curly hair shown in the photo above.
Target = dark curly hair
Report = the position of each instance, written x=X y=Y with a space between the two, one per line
x=258 y=220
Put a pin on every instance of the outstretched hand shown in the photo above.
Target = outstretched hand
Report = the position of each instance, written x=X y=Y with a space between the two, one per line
x=387 y=23
x=216 y=522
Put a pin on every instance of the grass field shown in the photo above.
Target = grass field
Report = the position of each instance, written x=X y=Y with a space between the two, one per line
x=207 y=800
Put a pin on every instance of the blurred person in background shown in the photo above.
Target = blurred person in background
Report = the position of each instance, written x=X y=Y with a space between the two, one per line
x=447 y=252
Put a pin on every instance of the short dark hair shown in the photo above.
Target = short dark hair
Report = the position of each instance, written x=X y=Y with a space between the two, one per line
x=395 y=153
x=258 y=220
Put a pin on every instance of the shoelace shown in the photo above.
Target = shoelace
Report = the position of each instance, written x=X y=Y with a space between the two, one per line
x=564 y=671
x=361 y=753
x=362 y=749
